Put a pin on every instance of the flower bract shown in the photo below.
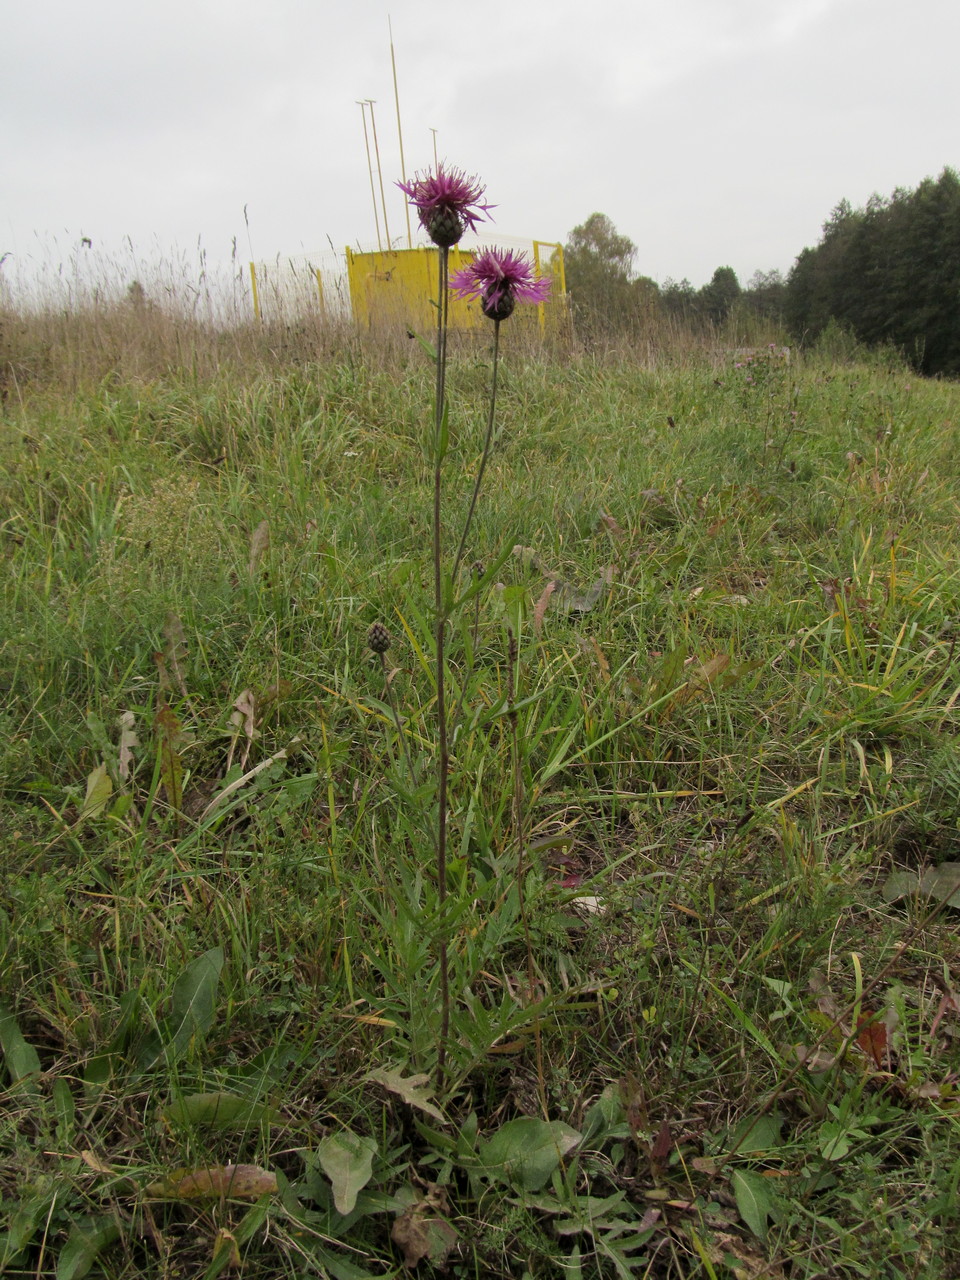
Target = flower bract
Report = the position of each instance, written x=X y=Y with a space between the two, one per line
x=500 y=278
x=448 y=202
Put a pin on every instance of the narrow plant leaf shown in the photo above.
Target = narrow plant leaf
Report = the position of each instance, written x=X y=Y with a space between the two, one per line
x=226 y=1251
x=219 y=1111
x=21 y=1059
x=754 y=1200
x=87 y=1239
x=872 y=1037
x=347 y=1160
x=427 y=347
x=526 y=1151
x=416 y=1090
x=662 y=1144
x=99 y=790
x=170 y=735
x=235 y=1181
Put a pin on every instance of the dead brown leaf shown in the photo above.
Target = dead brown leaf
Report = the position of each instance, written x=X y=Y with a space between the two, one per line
x=542 y=604
x=236 y=1181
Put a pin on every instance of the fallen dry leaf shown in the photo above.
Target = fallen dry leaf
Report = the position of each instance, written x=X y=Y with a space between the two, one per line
x=236 y=1181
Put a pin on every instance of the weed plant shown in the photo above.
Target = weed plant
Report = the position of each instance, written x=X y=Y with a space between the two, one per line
x=698 y=1028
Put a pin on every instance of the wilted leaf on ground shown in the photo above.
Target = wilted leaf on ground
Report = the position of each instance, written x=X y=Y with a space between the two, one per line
x=99 y=789
x=244 y=720
x=236 y=1181
x=416 y=1090
x=128 y=742
x=541 y=606
x=93 y=1161
x=942 y=884
x=420 y=1233
x=347 y=1160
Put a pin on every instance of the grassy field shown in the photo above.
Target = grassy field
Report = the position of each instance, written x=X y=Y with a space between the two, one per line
x=704 y=807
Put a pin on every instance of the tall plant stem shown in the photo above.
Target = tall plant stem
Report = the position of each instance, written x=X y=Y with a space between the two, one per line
x=513 y=662
x=488 y=440
x=443 y=755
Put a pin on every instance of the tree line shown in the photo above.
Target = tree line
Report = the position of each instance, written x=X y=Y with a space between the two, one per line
x=888 y=273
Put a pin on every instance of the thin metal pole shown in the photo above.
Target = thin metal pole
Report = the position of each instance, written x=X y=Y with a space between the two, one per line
x=373 y=193
x=436 y=164
x=376 y=148
x=396 y=98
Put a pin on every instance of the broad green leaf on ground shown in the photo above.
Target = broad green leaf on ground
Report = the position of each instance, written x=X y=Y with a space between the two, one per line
x=86 y=1240
x=192 y=1008
x=756 y=1133
x=526 y=1151
x=942 y=884
x=347 y=1160
x=413 y=1089
x=21 y=1059
x=219 y=1111
x=193 y=1000
x=233 y=1181
x=754 y=1200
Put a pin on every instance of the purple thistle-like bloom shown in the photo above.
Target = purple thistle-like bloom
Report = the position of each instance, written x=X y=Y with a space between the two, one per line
x=448 y=202
x=500 y=278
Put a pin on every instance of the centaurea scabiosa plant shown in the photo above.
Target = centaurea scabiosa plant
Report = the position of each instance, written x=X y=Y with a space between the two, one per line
x=500 y=279
x=448 y=202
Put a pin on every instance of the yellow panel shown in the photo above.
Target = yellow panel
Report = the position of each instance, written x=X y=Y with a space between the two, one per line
x=399 y=287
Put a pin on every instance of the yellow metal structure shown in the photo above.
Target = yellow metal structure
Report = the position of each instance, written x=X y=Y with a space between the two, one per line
x=400 y=287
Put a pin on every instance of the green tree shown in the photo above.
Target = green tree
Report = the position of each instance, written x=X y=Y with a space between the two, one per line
x=718 y=297
x=765 y=295
x=890 y=273
x=598 y=262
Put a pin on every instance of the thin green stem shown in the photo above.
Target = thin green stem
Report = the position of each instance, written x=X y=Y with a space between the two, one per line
x=443 y=755
x=488 y=440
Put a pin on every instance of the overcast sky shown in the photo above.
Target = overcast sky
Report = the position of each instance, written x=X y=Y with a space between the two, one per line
x=712 y=132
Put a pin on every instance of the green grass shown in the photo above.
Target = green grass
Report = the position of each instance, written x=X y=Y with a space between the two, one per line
x=736 y=710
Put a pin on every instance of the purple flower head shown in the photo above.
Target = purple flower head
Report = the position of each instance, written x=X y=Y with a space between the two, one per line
x=500 y=278
x=448 y=202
